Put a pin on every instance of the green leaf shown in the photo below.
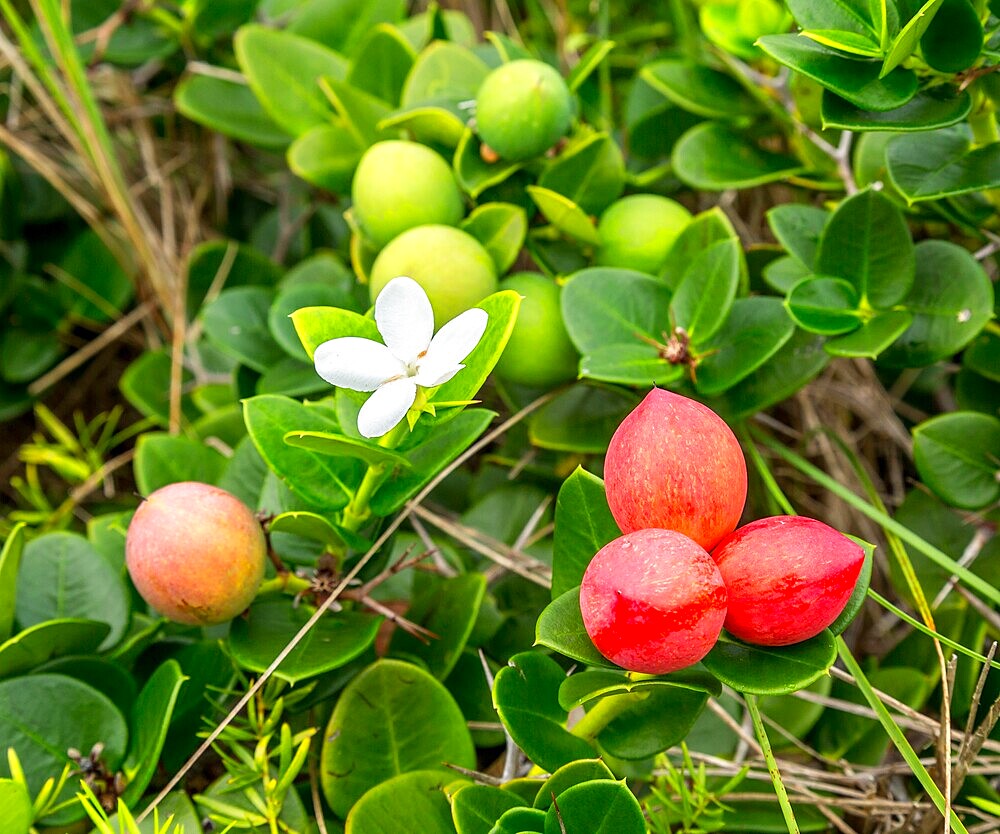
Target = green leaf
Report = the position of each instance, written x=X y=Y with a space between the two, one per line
x=574 y=773
x=397 y=803
x=307 y=293
x=798 y=228
x=315 y=325
x=983 y=355
x=860 y=593
x=326 y=156
x=476 y=808
x=309 y=526
x=958 y=457
x=63 y=576
x=237 y=323
x=359 y=111
x=10 y=561
x=256 y=639
x=596 y=807
x=444 y=72
x=473 y=173
x=103 y=674
x=929 y=166
x=700 y=90
x=229 y=108
x=824 y=305
x=319 y=479
x=712 y=157
x=162 y=459
x=43 y=716
x=757 y=328
x=583 y=525
x=905 y=43
x=27 y=353
x=370 y=736
x=520 y=821
x=590 y=172
x=581 y=419
x=94 y=274
x=588 y=62
x=283 y=70
x=339 y=445
x=526 y=695
x=951 y=301
x=660 y=717
x=832 y=14
x=624 y=364
x=770 y=670
x=954 y=39
x=382 y=62
x=225 y=263
x=500 y=228
x=343 y=25
x=33 y=646
x=850 y=42
x=560 y=627
x=873 y=337
x=704 y=229
x=928 y=110
x=867 y=243
x=783 y=273
x=449 y=611
x=428 y=123
x=565 y=215
x=16 y=805
x=585 y=686
x=148 y=729
x=855 y=80
x=706 y=293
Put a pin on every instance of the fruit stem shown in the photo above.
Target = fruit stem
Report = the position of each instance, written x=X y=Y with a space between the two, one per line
x=283 y=583
x=772 y=765
x=357 y=512
x=606 y=711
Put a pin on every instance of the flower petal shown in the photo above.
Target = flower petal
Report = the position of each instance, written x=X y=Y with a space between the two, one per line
x=404 y=317
x=356 y=363
x=386 y=407
x=450 y=345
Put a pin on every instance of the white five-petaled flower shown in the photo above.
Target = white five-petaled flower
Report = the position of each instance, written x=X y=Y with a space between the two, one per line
x=412 y=354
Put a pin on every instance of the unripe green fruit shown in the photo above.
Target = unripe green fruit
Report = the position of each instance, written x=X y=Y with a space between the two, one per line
x=454 y=269
x=399 y=185
x=637 y=232
x=522 y=109
x=195 y=553
x=539 y=351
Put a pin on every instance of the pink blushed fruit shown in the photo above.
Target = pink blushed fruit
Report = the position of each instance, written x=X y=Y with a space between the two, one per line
x=788 y=578
x=653 y=601
x=195 y=553
x=673 y=463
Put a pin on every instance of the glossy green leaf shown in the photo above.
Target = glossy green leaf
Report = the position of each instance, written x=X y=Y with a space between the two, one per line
x=581 y=687
x=849 y=42
x=700 y=90
x=16 y=806
x=867 y=243
x=712 y=157
x=520 y=821
x=43 y=716
x=983 y=355
x=360 y=112
x=475 y=809
x=704 y=229
x=588 y=63
x=330 y=291
x=798 y=228
x=442 y=125
x=770 y=670
x=10 y=562
x=236 y=322
x=474 y=174
x=958 y=457
x=629 y=364
x=660 y=717
x=581 y=419
x=309 y=526
x=565 y=215
x=597 y=807
x=560 y=627
x=954 y=38
x=444 y=71
x=526 y=695
x=316 y=325
x=756 y=329
x=905 y=43
x=706 y=293
x=381 y=63
x=930 y=109
x=929 y=166
x=583 y=525
x=783 y=273
x=951 y=301
x=396 y=803
x=229 y=108
x=93 y=274
x=501 y=229
x=163 y=459
x=326 y=156
x=874 y=336
x=103 y=674
x=343 y=25
x=824 y=305
x=590 y=172
x=283 y=70
x=28 y=353
x=35 y=645
x=256 y=639
x=370 y=736
x=63 y=576
x=340 y=445
x=856 y=80
x=574 y=773
x=860 y=593
x=833 y=14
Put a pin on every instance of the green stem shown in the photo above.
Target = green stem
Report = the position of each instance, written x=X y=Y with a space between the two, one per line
x=357 y=512
x=283 y=583
x=983 y=123
x=604 y=712
x=772 y=765
x=898 y=738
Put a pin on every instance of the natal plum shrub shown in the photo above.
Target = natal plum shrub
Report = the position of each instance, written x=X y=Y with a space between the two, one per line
x=195 y=553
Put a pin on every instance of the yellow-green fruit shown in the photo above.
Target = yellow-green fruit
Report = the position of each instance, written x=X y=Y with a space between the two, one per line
x=522 y=109
x=637 y=232
x=539 y=352
x=454 y=269
x=400 y=185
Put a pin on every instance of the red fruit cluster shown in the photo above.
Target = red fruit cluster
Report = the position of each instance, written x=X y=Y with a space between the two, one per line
x=655 y=599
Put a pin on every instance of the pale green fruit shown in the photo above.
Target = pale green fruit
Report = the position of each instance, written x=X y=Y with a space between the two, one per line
x=522 y=109
x=637 y=232
x=454 y=269
x=401 y=185
x=539 y=352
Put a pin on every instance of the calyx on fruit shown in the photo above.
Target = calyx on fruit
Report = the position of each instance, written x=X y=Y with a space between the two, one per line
x=674 y=464
x=788 y=578
x=653 y=601
x=195 y=553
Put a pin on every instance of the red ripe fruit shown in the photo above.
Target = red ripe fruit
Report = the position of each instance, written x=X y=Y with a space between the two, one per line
x=673 y=463
x=653 y=601
x=788 y=578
